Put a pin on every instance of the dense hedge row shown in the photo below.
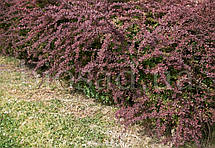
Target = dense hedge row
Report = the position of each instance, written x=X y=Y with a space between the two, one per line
x=154 y=59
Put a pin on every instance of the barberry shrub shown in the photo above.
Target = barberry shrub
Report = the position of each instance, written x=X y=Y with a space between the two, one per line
x=155 y=59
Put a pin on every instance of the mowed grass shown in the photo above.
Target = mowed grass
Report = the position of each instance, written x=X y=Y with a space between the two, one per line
x=41 y=124
x=50 y=116
x=41 y=121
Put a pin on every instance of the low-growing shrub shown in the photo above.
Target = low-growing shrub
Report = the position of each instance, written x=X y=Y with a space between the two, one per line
x=155 y=59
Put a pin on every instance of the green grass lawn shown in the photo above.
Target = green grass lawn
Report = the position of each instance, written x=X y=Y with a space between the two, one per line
x=50 y=116
x=41 y=120
x=43 y=124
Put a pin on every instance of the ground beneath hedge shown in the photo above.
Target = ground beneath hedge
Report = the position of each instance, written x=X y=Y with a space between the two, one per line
x=50 y=116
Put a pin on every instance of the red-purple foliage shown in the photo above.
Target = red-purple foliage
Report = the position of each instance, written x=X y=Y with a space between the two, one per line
x=159 y=55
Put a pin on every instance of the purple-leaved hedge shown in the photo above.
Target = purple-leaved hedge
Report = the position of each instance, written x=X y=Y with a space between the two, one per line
x=155 y=59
